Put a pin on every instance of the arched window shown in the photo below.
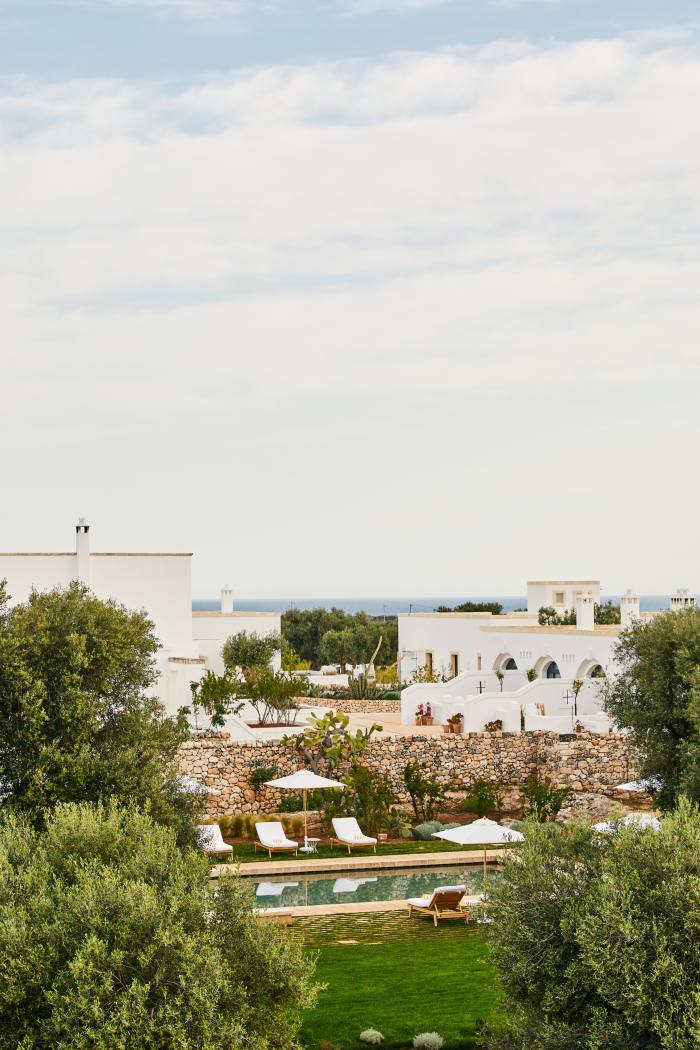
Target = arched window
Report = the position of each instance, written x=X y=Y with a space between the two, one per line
x=510 y=665
x=552 y=670
x=596 y=672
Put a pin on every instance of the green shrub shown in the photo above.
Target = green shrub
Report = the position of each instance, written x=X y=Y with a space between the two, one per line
x=110 y=937
x=541 y=799
x=291 y=804
x=259 y=776
x=482 y=798
x=596 y=938
x=397 y=825
x=427 y=794
x=423 y=832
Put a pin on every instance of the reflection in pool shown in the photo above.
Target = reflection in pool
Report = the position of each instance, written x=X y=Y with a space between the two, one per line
x=295 y=891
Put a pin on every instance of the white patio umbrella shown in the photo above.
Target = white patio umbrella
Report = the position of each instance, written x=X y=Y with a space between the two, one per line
x=483 y=832
x=646 y=785
x=194 y=787
x=304 y=780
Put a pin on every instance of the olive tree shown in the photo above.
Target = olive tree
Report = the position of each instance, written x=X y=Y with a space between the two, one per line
x=656 y=696
x=245 y=650
x=78 y=715
x=597 y=938
x=111 y=938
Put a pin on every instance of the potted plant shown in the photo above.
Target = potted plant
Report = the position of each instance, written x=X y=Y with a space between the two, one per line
x=428 y=718
x=494 y=727
x=456 y=721
x=420 y=715
x=579 y=727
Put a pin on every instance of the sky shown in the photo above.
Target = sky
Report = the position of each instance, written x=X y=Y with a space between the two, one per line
x=354 y=297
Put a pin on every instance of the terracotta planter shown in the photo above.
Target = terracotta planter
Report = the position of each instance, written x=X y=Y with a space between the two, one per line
x=428 y=721
x=457 y=727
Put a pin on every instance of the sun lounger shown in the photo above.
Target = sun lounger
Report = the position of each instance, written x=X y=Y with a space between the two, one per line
x=443 y=899
x=273 y=839
x=211 y=840
x=347 y=832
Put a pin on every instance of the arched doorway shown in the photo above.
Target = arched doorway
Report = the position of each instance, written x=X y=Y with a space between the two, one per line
x=510 y=665
x=552 y=670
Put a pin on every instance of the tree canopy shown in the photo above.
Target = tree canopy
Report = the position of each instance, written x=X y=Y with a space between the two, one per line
x=250 y=650
x=495 y=608
x=79 y=721
x=111 y=938
x=597 y=938
x=333 y=636
x=656 y=695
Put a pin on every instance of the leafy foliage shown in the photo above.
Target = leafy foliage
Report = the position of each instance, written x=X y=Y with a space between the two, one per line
x=245 y=650
x=352 y=638
x=483 y=797
x=260 y=775
x=656 y=695
x=273 y=694
x=329 y=739
x=542 y=799
x=214 y=694
x=110 y=938
x=77 y=721
x=495 y=608
x=372 y=795
x=605 y=613
x=427 y=794
x=597 y=938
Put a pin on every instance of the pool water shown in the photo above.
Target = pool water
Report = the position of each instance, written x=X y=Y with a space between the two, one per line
x=298 y=891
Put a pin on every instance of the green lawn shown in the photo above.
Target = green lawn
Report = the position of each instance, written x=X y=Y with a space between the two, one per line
x=244 y=852
x=437 y=980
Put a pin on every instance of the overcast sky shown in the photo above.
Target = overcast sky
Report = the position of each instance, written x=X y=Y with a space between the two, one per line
x=354 y=297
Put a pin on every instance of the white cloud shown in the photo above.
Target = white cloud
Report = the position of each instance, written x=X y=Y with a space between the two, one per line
x=461 y=281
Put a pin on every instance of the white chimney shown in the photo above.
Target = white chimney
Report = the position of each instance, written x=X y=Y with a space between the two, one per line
x=82 y=551
x=226 y=598
x=629 y=609
x=585 y=612
x=682 y=599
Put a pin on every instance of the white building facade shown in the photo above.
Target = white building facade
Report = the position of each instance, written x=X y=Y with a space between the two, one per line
x=159 y=583
x=509 y=668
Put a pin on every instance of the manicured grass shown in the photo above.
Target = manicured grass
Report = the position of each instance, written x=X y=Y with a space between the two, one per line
x=244 y=852
x=442 y=981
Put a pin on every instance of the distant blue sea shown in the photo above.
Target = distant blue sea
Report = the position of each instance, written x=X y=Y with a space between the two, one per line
x=392 y=606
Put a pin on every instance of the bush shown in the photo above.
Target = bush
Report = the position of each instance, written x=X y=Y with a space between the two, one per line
x=482 y=798
x=373 y=796
x=494 y=727
x=397 y=824
x=371 y=1036
x=291 y=804
x=428 y=1041
x=596 y=937
x=542 y=800
x=427 y=794
x=423 y=832
x=110 y=937
x=77 y=719
x=259 y=776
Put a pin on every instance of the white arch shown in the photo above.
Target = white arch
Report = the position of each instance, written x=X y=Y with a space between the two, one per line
x=499 y=664
x=586 y=667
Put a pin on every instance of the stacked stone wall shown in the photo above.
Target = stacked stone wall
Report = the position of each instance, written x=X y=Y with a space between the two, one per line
x=361 y=707
x=584 y=762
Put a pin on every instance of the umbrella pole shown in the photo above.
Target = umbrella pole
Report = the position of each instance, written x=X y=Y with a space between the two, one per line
x=484 y=871
x=306 y=830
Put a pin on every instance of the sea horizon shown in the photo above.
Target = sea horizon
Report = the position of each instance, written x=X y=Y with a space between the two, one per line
x=392 y=606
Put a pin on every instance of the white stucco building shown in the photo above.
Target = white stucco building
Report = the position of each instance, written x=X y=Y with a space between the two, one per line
x=473 y=651
x=158 y=582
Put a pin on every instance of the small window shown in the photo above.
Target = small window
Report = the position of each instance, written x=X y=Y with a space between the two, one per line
x=510 y=665
x=478 y=661
x=454 y=664
x=559 y=598
x=552 y=670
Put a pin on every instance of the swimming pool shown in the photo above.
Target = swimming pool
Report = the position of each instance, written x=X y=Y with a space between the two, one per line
x=299 y=891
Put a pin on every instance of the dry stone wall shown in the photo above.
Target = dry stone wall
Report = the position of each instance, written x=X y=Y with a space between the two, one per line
x=361 y=707
x=583 y=762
